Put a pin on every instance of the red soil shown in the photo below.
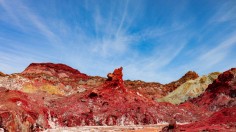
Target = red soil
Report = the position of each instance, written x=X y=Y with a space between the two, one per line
x=22 y=112
x=223 y=120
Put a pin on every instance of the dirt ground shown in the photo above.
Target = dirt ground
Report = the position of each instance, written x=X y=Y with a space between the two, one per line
x=141 y=128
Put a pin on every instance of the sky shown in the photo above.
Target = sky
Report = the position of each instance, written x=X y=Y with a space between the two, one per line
x=153 y=40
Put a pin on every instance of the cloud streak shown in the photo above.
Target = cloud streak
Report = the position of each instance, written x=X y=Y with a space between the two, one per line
x=218 y=53
x=22 y=16
x=152 y=40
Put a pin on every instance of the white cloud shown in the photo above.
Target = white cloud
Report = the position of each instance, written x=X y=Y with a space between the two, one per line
x=15 y=62
x=113 y=42
x=152 y=68
x=225 y=13
x=123 y=18
x=112 y=39
x=22 y=16
x=218 y=53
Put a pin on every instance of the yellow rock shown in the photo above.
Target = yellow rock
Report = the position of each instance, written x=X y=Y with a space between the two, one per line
x=48 y=88
x=29 y=88
x=51 y=89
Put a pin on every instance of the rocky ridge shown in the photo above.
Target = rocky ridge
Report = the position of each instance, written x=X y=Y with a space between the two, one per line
x=190 y=89
x=113 y=104
x=190 y=75
x=219 y=99
x=48 y=95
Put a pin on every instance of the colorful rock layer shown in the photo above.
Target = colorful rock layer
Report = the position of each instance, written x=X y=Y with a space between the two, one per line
x=48 y=95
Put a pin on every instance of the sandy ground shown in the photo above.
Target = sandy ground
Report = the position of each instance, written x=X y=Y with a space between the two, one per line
x=141 y=128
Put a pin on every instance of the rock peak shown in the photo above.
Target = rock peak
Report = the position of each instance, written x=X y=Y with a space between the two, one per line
x=2 y=74
x=190 y=74
x=117 y=77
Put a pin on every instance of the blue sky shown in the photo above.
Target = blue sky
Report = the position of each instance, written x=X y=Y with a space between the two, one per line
x=153 y=40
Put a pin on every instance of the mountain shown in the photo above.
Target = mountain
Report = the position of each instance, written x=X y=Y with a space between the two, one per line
x=154 y=90
x=55 y=70
x=114 y=104
x=190 y=75
x=219 y=99
x=47 y=95
x=220 y=94
x=190 y=89
x=2 y=74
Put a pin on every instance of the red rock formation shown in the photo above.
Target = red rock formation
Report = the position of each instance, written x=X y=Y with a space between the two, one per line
x=56 y=70
x=56 y=76
x=116 y=75
x=154 y=90
x=2 y=89
x=109 y=104
x=2 y=74
x=22 y=112
x=151 y=90
x=115 y=78
x=220 y=94
x=220 y=100
x=223 y=120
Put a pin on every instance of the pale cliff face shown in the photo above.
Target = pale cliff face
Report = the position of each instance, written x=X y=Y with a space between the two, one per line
x=190 y=89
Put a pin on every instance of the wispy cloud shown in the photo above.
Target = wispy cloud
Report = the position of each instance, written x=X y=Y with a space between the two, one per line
x=111 y=38
x=22 y=16
x=153 y=41
x=16 y=62
x=113 y=41
x=225 y=13
x=218 y=53
x=123 y=18
x=153 y=67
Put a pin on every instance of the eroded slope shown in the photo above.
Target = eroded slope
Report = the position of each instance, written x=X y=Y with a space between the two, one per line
x=190 y=89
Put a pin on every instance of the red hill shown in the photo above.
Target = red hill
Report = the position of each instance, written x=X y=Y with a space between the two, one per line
x=56 y=70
